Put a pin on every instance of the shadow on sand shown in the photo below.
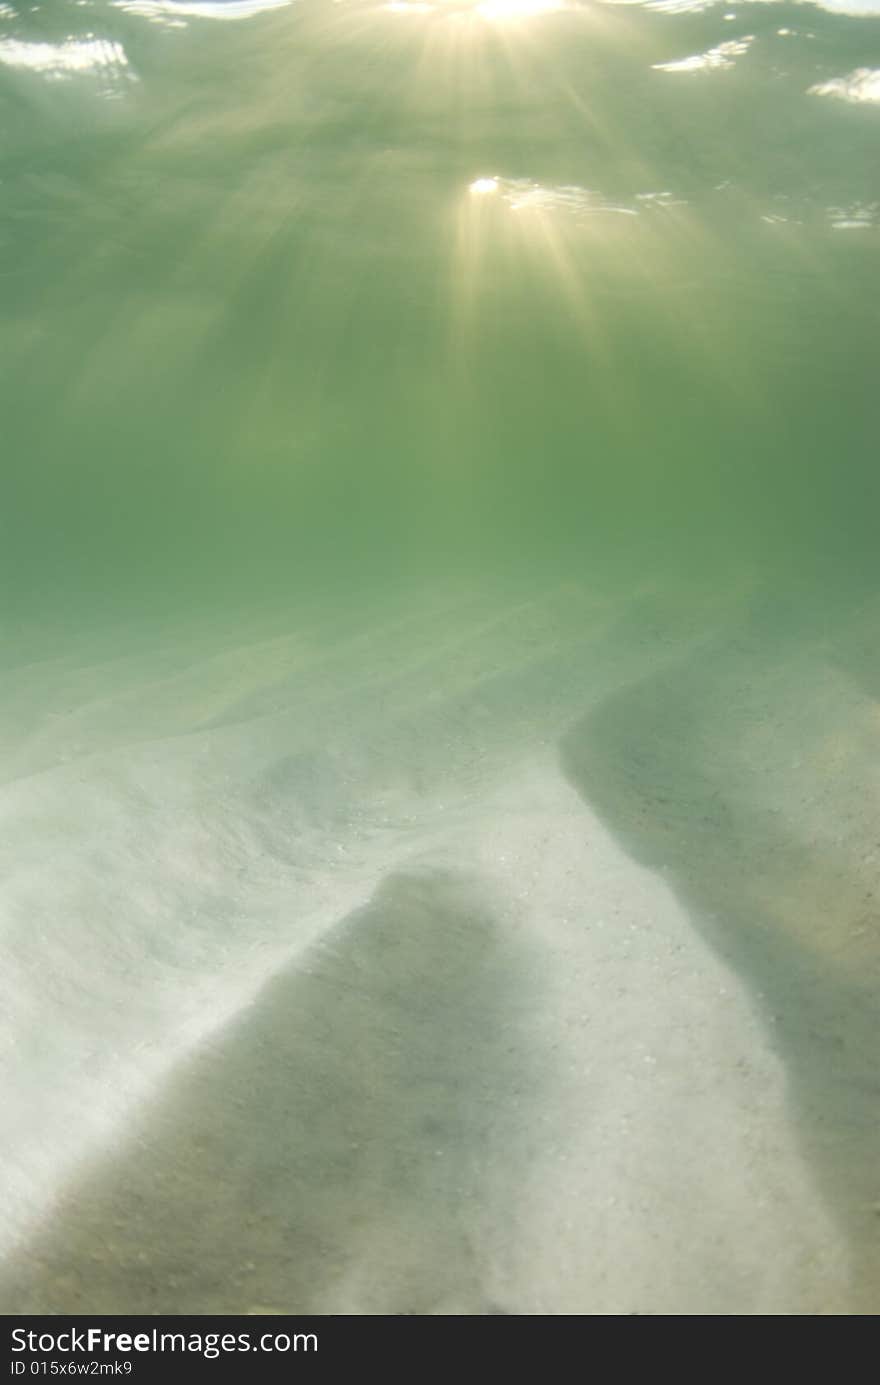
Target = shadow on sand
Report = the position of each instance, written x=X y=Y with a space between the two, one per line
x=669 y=764
x=324 y=1153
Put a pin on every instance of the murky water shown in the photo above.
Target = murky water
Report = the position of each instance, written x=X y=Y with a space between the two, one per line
x=439 y=711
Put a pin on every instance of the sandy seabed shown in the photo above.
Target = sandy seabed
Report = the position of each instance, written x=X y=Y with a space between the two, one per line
x=504 y=957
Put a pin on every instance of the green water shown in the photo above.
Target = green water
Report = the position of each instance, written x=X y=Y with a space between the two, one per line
x=392 y=393
x=255 y=323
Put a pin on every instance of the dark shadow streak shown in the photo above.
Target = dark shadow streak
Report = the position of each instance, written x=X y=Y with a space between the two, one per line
x=325 y=1152
x=789 y=916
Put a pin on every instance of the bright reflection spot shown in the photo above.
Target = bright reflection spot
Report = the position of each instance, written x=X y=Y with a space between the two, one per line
x=722 y=56
x=532 y=196
x=174 y=14
x=858 y=87
x=859 y=216
x=522 y=194
x=667 y=6
x=494 y=11
x=519 y=9
x=59 y=60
